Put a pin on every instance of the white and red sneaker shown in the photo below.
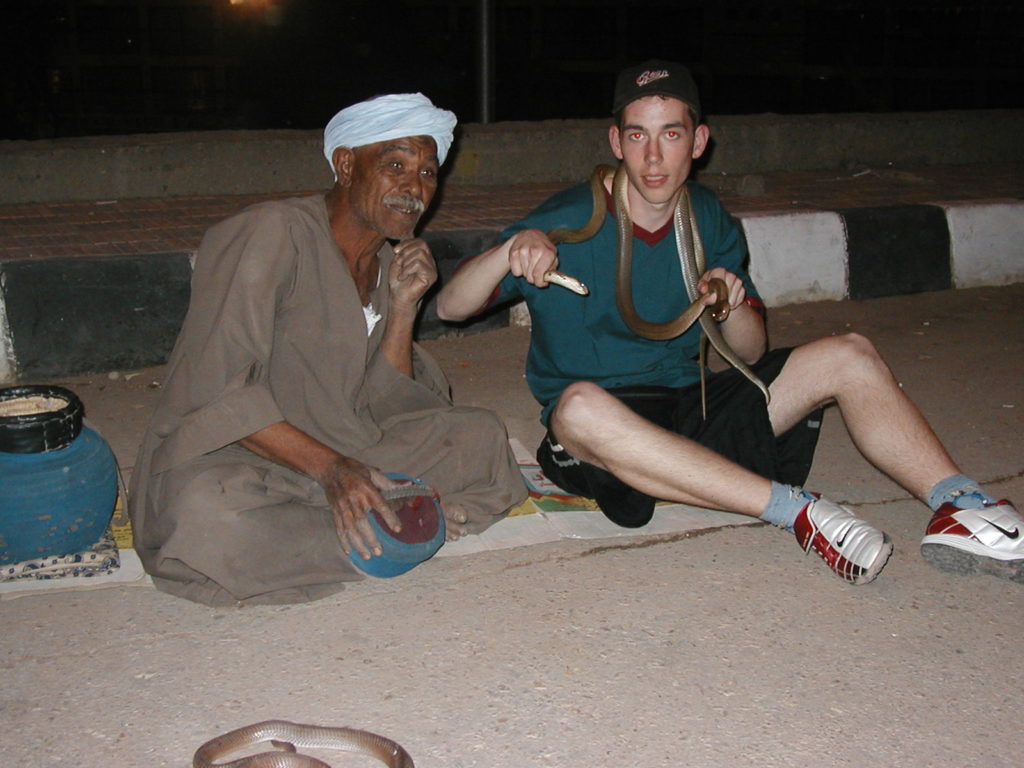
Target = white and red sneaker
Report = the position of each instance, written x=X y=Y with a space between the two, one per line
x=854 y=550
x=989 y=539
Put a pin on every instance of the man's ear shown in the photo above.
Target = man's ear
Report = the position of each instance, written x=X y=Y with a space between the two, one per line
x=615 y=140
x=700 y=140
x=342 y=160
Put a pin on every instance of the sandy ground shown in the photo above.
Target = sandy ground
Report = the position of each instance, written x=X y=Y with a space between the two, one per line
x=729 y=648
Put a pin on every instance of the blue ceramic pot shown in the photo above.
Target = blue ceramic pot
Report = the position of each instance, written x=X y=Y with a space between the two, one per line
x=55 y=501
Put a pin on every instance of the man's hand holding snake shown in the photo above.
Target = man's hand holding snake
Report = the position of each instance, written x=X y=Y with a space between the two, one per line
x=737 y=292
x=531 y=254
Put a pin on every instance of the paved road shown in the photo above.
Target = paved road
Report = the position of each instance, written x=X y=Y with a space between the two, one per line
x=725 y=649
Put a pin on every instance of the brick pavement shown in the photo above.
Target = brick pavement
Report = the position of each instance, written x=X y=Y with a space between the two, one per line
x=161 y=225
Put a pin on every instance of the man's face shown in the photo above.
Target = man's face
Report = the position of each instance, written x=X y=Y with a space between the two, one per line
x=657 y=142
x=392 y=184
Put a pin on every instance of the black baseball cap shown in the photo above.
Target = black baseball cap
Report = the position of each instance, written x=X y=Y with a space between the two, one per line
x=656 y=78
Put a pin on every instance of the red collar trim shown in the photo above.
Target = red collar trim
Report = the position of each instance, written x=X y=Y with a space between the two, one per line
x=651 y=238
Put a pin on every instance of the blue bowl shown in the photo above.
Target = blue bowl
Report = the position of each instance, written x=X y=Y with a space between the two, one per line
x=421 y=536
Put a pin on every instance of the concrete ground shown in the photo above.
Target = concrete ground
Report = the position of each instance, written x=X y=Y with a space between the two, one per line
x=723 y=649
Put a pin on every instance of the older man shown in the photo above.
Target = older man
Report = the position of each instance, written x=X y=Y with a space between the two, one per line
x=295 y=383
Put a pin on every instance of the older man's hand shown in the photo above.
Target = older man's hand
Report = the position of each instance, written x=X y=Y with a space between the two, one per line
x=353 y=489
x=412 y=272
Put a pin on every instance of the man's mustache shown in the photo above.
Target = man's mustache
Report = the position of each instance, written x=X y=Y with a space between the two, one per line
x=410 y=204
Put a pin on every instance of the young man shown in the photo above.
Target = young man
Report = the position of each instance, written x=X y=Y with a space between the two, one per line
x=624 y=412
x=295 y=383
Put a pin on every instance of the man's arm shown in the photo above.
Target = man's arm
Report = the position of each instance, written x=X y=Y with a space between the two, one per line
x=526 y=254
x=412 y=273
x=351 y=486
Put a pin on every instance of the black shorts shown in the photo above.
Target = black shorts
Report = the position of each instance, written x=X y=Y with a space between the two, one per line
x=737 y=427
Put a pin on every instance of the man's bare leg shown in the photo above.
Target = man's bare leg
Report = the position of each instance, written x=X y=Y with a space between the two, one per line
x=597 y=428
x=884 y=423
x=970 y=531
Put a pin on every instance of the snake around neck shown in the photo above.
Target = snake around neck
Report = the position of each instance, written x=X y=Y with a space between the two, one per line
x=692 y=261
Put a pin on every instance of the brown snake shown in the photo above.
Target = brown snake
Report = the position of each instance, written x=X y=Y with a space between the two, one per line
x=286 y=737
x=692 y=261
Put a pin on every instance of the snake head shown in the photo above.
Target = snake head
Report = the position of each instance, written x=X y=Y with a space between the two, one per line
x=720 y=309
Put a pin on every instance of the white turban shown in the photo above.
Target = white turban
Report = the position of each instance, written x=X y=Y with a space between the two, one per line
x=394 y=116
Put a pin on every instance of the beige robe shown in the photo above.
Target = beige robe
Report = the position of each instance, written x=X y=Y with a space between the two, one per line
x=276 y=331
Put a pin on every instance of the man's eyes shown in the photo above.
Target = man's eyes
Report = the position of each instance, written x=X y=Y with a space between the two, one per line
x=399 y=166
x=640 y=135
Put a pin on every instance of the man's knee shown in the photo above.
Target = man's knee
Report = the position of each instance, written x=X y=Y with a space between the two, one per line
x=224 y=493
x=860 y=358
x=850 y=351
x=473 y=439
x=580 y=405
x=839 y=364
x=200 y=488
x=480 y=424
x=202 y=501
x=855 y=344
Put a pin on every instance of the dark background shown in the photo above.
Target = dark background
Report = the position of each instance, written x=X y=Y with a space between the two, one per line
x=92 y=67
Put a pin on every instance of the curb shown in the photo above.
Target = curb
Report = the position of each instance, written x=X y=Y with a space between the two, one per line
x=68 y=316
x=867 y=253
x=74 y=315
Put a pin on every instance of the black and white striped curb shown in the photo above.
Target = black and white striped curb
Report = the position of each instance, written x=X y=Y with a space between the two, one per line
x=94 y=314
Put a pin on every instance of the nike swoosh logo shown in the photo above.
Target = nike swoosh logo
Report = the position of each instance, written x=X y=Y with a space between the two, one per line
x=1008 y=534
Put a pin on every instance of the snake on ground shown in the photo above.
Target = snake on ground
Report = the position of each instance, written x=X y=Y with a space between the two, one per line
x=692 y=262
x=287 y=737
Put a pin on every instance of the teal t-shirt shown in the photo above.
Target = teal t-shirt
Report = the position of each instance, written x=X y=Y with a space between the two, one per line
x=583 y=338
